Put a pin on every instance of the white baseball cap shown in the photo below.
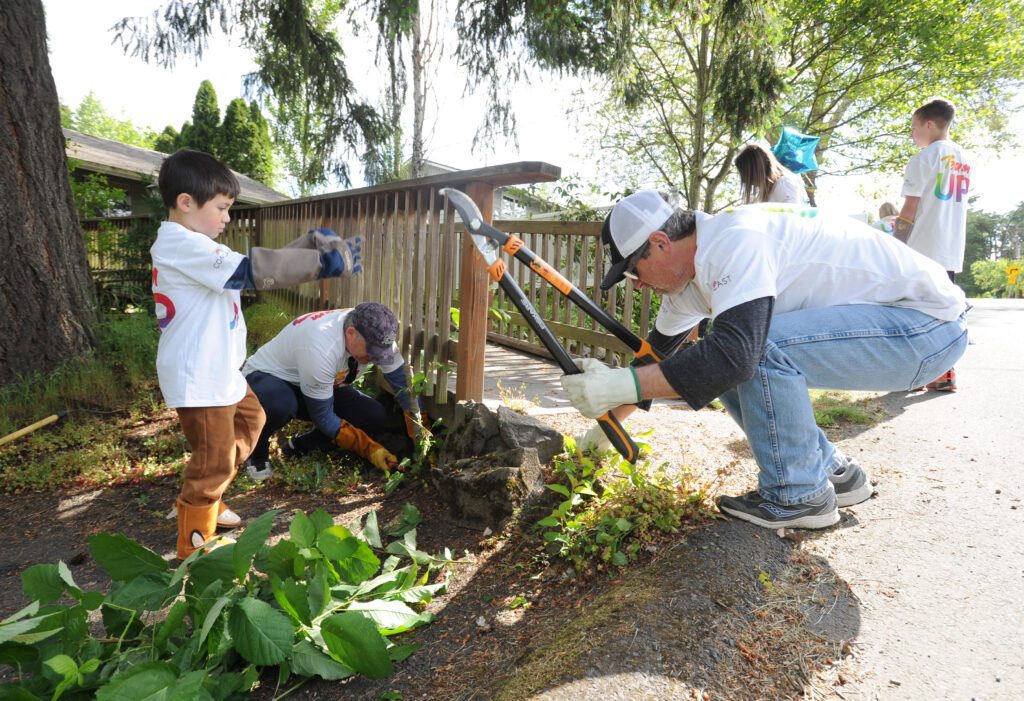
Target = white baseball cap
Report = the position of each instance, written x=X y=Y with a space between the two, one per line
x=628 y=226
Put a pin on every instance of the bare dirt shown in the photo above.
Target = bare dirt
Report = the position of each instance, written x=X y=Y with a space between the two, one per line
x=916 y=594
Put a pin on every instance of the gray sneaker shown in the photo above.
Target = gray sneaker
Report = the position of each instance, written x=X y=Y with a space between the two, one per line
x=822 y=512
x=851 y=482
x=258 y=471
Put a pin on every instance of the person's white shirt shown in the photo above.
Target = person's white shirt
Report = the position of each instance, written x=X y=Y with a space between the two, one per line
x=310 y=352
x=788 y=188
x=940 y=174
x=805 y=259
x=202 y=330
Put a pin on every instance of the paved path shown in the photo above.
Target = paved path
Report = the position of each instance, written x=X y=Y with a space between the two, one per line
x=937 y=558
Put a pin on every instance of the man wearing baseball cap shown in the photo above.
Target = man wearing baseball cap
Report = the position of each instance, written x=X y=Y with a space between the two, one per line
x=306 y=372
x=799 y=299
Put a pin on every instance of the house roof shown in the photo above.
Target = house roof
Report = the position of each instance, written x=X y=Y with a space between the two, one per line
x=135 y=163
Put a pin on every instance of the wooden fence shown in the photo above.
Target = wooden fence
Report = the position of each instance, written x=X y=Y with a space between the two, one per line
x=414 y=249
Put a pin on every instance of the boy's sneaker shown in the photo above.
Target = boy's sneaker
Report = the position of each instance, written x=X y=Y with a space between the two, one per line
x=258 y=471
x=851 y=483
x=946 y=382
x=822 y=512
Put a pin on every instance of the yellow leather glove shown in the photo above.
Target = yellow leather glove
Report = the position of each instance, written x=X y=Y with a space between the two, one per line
x=355 y=439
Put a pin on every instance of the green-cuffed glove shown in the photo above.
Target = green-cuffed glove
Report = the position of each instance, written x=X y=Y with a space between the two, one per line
x=600 y=388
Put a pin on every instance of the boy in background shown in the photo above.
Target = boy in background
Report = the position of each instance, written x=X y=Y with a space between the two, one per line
x=933 y=220
x=196 y=284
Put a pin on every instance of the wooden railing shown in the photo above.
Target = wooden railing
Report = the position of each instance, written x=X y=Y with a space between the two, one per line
x=414 y=250
x=574 y=249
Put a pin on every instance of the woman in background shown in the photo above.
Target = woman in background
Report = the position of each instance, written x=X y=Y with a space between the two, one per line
x=764 y=179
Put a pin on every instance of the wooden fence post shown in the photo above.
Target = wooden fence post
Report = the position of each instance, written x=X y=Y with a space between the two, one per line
x=473 y=284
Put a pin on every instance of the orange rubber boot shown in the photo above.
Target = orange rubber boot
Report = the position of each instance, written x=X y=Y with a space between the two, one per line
x=196 y=525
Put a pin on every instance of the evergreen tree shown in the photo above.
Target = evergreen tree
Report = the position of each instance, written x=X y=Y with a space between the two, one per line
x=168 y=140
x=262 y=152
x=236 y=135
x=203 y=132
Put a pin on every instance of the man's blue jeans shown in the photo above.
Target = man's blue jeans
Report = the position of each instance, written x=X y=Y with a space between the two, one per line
x=852 y=347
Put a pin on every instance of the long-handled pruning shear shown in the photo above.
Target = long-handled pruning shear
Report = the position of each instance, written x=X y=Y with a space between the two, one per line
x=489 y=241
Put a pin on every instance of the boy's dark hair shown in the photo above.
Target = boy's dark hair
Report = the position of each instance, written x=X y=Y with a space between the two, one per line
x=939 y=111
x=197 y=174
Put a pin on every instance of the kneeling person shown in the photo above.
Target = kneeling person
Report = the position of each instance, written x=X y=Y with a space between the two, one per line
x=306 y=372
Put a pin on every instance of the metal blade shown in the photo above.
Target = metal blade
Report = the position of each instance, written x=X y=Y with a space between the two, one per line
x=465 y=206
x=487 y=247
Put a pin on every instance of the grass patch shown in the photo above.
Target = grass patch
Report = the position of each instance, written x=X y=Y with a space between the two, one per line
x=833 y=408
x=263 y=321
x=112 y=377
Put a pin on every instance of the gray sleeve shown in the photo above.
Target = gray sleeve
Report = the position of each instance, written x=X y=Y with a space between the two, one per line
x=664 y=346
x=726 y=357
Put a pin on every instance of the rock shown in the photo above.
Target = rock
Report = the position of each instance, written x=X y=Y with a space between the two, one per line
x=474 y=432
x=519 y=431
x=483 y=492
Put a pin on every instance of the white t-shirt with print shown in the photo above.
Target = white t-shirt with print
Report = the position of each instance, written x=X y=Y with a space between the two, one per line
x=789 y=188
x=940 y=174
x=805 y=259
x=202 y=331
x=310 y=352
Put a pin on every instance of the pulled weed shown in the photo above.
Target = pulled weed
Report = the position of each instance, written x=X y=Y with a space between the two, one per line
x=832 y=408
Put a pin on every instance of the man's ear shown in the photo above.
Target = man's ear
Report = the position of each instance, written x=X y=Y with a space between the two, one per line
x=183 y=202
x=659 y=239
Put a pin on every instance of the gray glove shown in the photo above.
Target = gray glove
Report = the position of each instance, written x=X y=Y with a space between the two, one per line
x=283 y=267
x=325 y=241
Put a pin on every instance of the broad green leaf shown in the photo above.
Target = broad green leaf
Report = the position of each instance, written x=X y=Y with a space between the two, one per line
x=355 y=560
x=407 y=548
x=149 y=681
x=261 y=634
x=623 y=525
x=36 y=636
x=309 y=661
x=17 y=630
x=213 y=566
x=293 y=597
x=17 y=694
x=354 y=639
x=150 y=592
x=212 y=616
x=189 y=687
x=417 y=594
x=302 y=530
x=322 y=520
x=548 y=522
x=171 y=623
x=29 y=610
x=249 y=542
x=282 y=559
x=398 y=653
x=319 y=590
x=619 y=558
x=42 y=583
x=371 y=531
x=65 y=575
x=391 y=617
x=89 y=666
x=123 y=558
x=63 y=666
x=409 y=519
x=559 y=489
x=14 y=655
x=92 y=600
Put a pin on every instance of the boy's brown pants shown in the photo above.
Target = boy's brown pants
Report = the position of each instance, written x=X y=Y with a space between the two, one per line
x=221 y=437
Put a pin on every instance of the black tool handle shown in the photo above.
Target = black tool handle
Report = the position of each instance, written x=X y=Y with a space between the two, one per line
x=611 y=426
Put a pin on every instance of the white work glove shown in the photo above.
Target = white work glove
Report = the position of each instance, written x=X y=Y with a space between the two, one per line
x=594 y=441
x=599 y=388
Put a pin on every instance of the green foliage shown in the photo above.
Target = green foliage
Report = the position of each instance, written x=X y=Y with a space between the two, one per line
x=265 y=320
x=993 y=242
x=991 y=279
x=94 y=197
x=317 y=603
x=90 y=117
x=832 y=408
x=245 y=141
x=595 y=525
x=203 y=132
x=167 y=141
x=122 y=363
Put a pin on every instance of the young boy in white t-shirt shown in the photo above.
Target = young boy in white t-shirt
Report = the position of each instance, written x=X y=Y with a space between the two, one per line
x=933 y=220
x=196 y=283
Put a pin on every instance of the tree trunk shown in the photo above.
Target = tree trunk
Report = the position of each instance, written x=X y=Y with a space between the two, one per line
x=47 y=303
x=419 y=96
